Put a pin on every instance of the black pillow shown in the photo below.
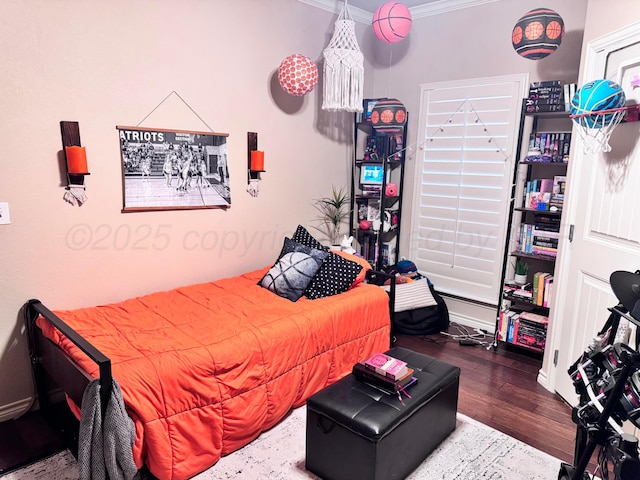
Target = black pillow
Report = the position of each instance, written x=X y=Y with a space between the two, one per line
x=336 y=275
x=290 y=245
x=302 y=236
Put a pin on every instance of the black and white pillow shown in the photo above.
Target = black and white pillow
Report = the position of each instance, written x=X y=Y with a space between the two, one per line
x=291 y=245
x=302 y=235
x=336 y=275
x=291 y=275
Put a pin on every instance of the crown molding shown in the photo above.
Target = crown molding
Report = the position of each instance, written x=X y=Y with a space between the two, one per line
x=335 y=6
x=438 y=7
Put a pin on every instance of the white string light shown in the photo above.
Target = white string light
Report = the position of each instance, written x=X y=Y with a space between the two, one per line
x=441 y=128
x=465 y=107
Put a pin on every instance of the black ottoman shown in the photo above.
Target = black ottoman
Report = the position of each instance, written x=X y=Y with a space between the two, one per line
x=355 y=431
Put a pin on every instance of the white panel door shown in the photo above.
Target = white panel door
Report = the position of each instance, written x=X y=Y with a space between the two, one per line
x=603 y=202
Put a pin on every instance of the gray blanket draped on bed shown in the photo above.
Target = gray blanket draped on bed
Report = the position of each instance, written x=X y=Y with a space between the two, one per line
x=105 y=445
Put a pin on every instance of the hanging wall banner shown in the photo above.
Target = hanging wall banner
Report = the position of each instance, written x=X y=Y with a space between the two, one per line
x=173 y=169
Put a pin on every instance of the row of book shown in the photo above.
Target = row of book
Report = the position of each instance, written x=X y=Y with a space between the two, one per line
x=545 y=193
x=525 y=329
x=538 y=292
x=388 y=144
x=534 y=240
x=549 y=96
x=549 y=147
x=542 y=289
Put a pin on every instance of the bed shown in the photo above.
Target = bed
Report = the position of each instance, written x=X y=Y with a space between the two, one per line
x=205 y=368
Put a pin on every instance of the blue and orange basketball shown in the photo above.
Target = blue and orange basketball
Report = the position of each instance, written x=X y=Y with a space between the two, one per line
x=391 y=22
x=538 y=33
x=594 y=97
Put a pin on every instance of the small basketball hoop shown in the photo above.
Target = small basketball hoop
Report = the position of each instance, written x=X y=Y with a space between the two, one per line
x=595 y=128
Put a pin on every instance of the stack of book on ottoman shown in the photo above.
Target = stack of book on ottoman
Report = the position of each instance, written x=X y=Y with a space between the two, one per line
x=385 y=373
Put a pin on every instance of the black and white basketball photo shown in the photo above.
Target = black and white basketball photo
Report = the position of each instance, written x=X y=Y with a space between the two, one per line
x=163 y=169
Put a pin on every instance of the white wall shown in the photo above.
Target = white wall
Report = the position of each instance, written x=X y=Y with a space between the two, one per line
x=111 y=63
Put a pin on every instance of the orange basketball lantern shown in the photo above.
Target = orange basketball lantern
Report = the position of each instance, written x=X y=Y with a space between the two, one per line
x=391 y=22
x=298 y=75
x=538 y=33
x=388 y=115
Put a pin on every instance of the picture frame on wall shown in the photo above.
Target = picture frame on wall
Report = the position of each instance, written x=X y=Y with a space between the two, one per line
x=173 y=169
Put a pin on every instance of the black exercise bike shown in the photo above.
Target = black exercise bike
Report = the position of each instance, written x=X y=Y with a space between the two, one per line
x=607 y=380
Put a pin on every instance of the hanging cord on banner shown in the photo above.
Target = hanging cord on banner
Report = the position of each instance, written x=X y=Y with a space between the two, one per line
x=441 y=128
x=183 y=101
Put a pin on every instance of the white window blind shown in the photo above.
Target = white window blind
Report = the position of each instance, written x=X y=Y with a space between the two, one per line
x=464 y=166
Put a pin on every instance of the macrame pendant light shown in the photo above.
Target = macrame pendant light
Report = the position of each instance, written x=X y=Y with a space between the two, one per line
x=343 y=67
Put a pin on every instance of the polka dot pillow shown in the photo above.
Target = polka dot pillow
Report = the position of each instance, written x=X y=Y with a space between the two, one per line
x=303 y=236
x=336 y=275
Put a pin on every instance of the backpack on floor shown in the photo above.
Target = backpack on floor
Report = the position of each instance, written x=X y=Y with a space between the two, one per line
x=424 y=320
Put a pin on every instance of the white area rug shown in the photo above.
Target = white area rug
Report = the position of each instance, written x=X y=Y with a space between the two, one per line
x=473 y=451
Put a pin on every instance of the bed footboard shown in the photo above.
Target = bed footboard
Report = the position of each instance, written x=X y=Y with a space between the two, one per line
x=49 y=360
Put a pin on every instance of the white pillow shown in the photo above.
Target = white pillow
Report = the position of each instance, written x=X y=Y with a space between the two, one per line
x=412 y=295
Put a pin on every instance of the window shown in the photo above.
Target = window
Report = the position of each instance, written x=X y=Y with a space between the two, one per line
x=466 y=143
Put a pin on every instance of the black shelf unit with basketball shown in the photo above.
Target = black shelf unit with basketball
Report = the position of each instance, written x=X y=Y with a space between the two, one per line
x=377 y=179
x=533 y=231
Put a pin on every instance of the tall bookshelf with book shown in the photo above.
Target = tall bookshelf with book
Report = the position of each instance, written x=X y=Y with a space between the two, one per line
x=535 y=216
x=376 y=188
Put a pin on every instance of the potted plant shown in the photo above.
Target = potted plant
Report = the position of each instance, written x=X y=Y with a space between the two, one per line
x=520 y=272
x=334 y=210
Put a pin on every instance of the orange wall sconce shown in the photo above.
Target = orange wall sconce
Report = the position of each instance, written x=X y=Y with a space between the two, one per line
x=75 y=156
x=255 y=164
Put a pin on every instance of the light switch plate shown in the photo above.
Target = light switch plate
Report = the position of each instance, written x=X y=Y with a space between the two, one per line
x=5 y=218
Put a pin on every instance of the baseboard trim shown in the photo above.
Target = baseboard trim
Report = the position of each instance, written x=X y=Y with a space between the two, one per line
x=472 y=322
x=14 y=410
x=543 y=380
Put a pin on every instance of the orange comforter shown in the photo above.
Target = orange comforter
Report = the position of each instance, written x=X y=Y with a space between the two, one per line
x=205 y=368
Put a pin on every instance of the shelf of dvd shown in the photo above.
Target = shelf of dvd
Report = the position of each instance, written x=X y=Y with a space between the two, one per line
x=533 y=233
x=376 y=189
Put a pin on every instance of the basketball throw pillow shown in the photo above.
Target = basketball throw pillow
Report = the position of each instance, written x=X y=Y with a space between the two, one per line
x=291 y=275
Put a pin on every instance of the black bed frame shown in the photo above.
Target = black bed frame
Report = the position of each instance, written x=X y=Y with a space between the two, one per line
x=49 y=362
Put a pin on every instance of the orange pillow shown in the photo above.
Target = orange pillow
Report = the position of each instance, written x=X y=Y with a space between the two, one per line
x=360 y=261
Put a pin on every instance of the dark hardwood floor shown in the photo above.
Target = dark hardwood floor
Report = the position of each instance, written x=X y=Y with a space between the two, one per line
x=500 y=389
x=30 y=438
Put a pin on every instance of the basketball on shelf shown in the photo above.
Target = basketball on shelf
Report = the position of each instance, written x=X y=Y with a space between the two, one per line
x=391 y=22
x=593 y=99
x=538 y=33
x=389 y=114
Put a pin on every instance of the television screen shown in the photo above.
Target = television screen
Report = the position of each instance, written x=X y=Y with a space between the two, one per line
x=371 y=174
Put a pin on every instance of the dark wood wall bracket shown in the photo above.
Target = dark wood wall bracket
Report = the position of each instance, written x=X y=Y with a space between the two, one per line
x=71 y=137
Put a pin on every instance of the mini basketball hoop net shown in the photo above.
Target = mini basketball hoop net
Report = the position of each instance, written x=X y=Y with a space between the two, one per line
x=595 y=128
